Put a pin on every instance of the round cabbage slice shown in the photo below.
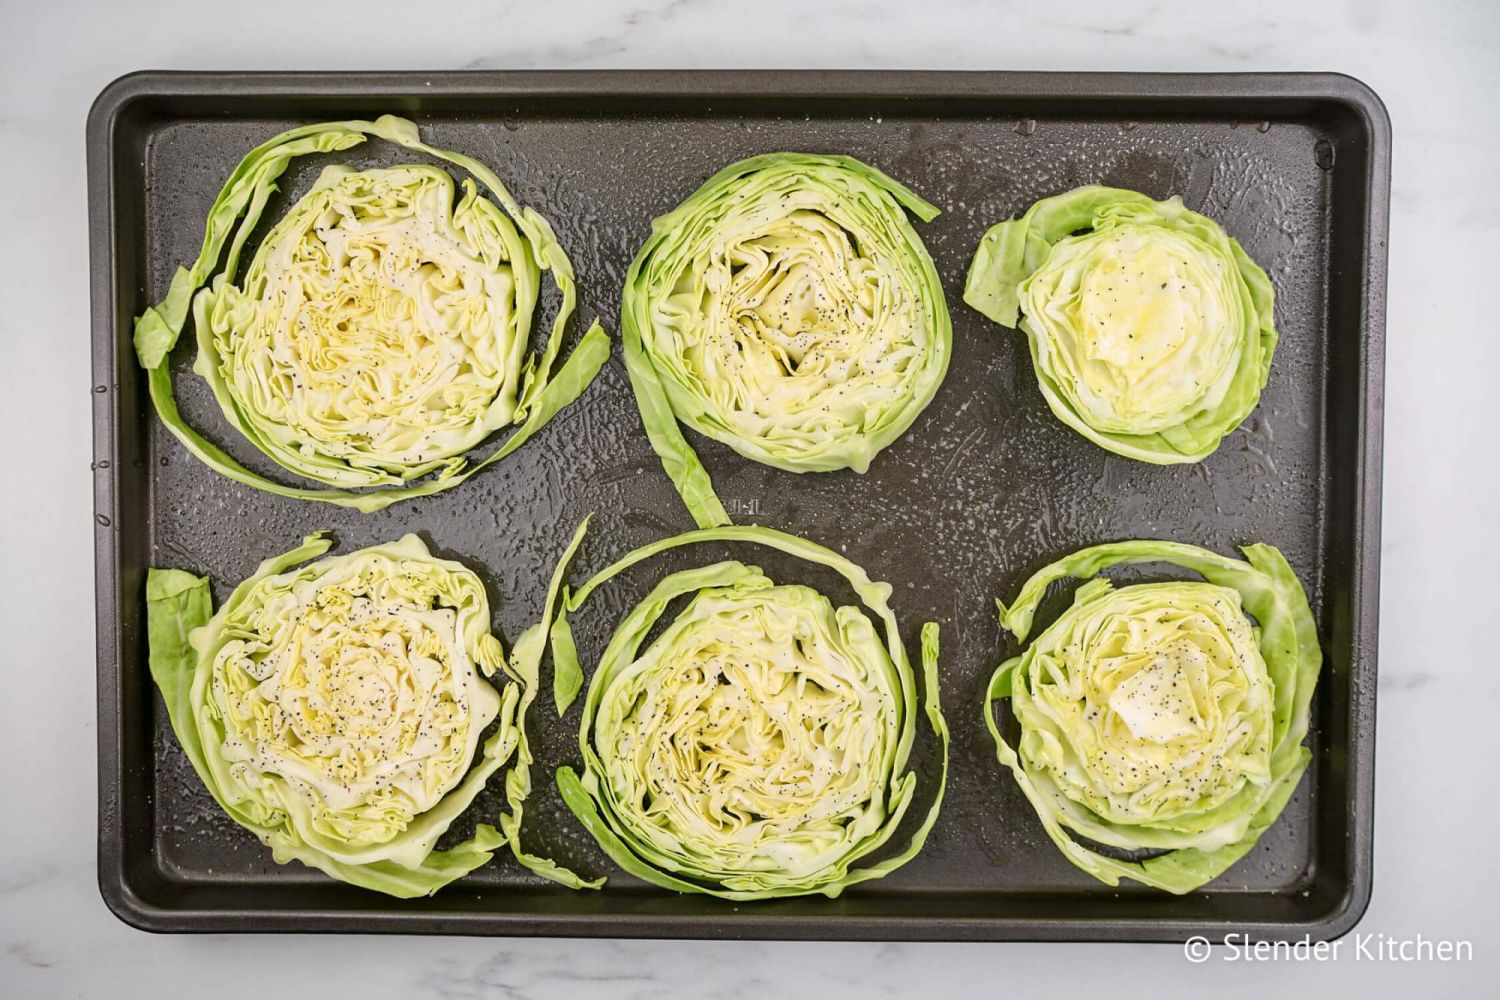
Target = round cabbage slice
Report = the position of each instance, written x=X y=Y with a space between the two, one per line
x=380 y=330
x=375 y=336
x=759 y=746
x=336 y=709
x=1162 y=717
x=1151 y=330
x=789 y=310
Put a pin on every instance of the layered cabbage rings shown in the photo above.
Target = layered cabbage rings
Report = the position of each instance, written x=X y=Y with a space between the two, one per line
x=789 y=310
x=336 y=709
x=759 y=746
x=1151 y=330
x=1158 y=717
x=380 y=330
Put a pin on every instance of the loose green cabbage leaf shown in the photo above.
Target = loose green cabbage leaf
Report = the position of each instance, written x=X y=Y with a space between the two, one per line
x=1151 y=330
x=1157 y=716
x=789 y=310
x=759 y=747
x=335 y=709
x=381 y=328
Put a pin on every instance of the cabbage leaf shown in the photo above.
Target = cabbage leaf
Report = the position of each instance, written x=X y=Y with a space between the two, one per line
x=1151 y=330
x=335 y=709
x=759 y=747
x=1159 y=717
x=789 y=310
x=381 y=328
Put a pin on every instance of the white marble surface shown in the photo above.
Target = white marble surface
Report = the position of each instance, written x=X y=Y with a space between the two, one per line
x=1436 y=66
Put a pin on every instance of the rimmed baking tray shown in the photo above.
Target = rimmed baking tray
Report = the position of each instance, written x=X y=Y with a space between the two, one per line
x=986 y=487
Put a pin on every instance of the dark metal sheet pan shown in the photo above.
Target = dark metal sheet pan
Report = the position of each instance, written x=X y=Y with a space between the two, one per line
x=986 y=487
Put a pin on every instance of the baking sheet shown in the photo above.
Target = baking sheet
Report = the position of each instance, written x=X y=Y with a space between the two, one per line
x=986 y=487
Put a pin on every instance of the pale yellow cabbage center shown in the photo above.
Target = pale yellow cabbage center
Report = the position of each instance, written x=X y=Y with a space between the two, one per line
x=1155 y=702
x=793 y=330
x=358 y=698
x=374 y=326
x=752 y=735
x=1141 y=326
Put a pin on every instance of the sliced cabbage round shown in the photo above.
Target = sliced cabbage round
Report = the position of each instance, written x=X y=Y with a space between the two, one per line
x=1151 y=330
x=380 y=330
x=1158 y=716
x=336 y=709
x=789 y=310
x=759 y=746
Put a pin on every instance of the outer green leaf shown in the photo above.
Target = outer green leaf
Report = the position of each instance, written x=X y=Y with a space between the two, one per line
x=567 y=675
x=176 y=603
x=1150 y=329
x=342 y=444
x=854 y=686
x=788 y=310
x=1114 y=749
x=526 y=660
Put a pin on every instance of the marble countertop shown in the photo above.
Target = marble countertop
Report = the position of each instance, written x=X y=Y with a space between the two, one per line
x=1434 y=64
